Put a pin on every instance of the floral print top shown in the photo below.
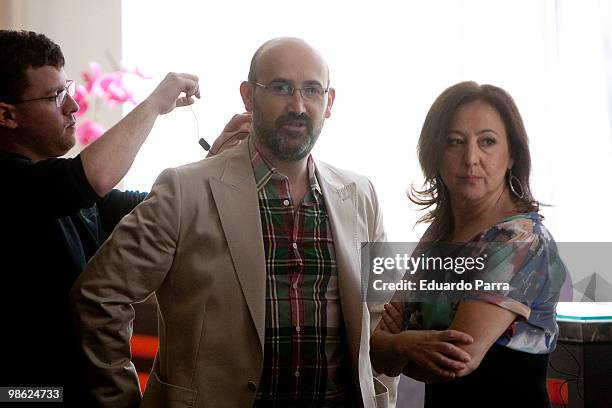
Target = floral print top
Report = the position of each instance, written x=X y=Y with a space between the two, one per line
x=521 y=252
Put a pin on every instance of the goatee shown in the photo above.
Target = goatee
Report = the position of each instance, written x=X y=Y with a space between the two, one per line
x=283 y=143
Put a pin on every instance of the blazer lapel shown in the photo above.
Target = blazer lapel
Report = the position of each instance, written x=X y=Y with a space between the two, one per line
x=237 y=203
x=341 y=203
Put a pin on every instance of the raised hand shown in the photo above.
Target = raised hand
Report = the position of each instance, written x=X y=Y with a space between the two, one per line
x=167 y=95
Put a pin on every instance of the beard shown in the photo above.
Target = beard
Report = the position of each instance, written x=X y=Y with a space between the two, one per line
x=285 y=144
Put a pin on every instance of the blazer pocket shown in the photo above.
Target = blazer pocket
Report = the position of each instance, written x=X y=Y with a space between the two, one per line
x=381 y=394
x=162 y=394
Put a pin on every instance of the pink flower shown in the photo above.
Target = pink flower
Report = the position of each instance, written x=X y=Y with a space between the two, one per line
x=88 y=131
x=109 y=86
x=114 y=91
x=91 y=79
x=79 y=97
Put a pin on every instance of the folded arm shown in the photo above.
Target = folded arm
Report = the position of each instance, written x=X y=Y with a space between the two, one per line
x=486 y=323
x=426 y=355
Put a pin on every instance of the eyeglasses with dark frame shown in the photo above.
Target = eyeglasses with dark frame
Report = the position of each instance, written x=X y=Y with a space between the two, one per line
x=312 y=92
x=60 y=97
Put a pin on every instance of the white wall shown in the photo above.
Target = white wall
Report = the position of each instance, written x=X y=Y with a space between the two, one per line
x=388 y=62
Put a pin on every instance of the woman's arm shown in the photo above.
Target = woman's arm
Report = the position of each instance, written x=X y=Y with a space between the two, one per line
x=437 y=351
x=485 y=323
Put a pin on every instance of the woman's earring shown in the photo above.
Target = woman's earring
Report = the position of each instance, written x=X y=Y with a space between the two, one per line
x=514 y=183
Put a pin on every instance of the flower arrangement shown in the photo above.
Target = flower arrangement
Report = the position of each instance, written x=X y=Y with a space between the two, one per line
x=99 y=87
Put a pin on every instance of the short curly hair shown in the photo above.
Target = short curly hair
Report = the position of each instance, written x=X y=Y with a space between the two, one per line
x=20 y=50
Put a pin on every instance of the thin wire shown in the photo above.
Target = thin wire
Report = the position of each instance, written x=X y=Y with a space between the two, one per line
x=576 y=377
x=201 y=140
x=195 y=117
x=579 y=369
x=569 y=380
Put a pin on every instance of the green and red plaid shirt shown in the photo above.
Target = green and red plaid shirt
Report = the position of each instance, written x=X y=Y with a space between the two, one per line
x=305 y=358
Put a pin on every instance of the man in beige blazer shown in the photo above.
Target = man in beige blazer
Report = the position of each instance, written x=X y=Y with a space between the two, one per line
x=197 y=243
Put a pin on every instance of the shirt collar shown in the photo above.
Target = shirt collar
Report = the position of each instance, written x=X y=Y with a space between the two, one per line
x=264 y=171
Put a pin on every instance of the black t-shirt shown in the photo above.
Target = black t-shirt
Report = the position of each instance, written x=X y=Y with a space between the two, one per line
x=51 y=223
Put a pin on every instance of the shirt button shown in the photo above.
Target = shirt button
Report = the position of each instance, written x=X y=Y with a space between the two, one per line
x=252 y=386
x=294 y=245
x=286 y=203
x=294 y=286
x=297 y=373
x=298 y=329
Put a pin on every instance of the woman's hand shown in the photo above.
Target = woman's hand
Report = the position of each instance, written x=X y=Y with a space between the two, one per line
x=422 y=354
x=437 y=352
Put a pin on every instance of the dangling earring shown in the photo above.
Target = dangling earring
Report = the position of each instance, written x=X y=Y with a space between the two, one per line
x=512 y=180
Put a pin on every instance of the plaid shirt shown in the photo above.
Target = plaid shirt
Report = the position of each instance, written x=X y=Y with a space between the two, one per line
x=305 y=356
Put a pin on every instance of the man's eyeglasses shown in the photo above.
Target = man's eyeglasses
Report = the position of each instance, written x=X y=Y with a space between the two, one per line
x=312 y=92
x=60 y=97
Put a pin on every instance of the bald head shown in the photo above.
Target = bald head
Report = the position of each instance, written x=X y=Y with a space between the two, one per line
x=284 y=48
x=286 y=124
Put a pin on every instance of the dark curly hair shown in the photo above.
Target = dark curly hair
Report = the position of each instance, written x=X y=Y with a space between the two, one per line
x=435 y=195
x=20 y=50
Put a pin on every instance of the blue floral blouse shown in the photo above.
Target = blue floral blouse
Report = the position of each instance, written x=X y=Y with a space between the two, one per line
x=521 y=252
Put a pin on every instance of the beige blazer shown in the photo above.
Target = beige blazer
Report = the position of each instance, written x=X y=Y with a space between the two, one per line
x=196 y=243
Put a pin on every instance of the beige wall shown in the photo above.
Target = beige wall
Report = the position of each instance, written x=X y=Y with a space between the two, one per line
x=87 y=30
x=8 y=13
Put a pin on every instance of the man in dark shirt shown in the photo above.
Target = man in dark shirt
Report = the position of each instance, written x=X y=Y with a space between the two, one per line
x=55 y=212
